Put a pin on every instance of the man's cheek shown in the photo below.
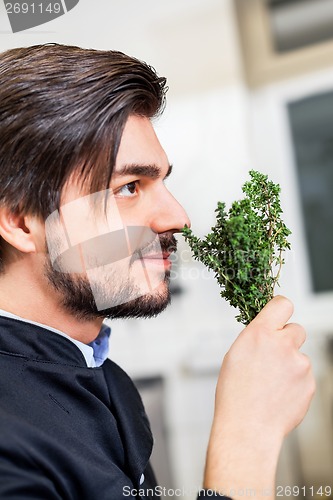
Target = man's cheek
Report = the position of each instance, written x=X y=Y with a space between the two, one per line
x=100 y=250
x=88 y=232
x=90 y=216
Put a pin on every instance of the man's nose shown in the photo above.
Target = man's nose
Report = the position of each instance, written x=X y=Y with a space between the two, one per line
x=169 y=215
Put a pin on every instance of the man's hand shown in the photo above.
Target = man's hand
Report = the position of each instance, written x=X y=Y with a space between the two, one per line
x=264 y=390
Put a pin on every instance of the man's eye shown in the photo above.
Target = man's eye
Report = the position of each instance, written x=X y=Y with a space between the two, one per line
x=128 y=189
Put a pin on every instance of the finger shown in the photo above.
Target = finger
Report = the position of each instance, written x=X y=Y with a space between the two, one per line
x=296 y=332
x=275 y=314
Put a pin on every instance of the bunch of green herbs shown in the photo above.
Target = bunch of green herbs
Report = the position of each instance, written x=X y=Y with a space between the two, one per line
x=245 y=247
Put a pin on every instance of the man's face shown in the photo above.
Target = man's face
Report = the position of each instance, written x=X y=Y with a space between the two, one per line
x=109 y=251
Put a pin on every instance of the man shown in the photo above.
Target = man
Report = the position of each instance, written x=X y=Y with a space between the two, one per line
x=87 y=227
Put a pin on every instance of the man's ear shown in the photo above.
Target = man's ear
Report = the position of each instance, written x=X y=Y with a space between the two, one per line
x=18 y=230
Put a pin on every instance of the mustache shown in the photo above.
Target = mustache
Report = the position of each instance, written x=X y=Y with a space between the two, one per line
x=164 y=242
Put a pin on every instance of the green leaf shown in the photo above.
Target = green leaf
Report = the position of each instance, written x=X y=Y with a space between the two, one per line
x=245 y=247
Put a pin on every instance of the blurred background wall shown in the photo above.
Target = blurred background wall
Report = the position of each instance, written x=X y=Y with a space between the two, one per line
x=251 y=86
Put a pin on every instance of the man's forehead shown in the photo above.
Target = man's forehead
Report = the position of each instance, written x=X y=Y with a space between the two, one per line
x=140 y=146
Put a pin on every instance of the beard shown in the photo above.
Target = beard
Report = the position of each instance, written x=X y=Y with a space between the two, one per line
x=78 y=298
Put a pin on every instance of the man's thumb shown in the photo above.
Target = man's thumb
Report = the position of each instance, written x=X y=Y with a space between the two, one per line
x=275 y=314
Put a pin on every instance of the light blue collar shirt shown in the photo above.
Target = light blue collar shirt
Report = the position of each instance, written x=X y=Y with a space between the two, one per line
x=94 y=353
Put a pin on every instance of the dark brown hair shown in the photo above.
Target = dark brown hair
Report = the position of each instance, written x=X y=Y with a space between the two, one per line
x=62 y=110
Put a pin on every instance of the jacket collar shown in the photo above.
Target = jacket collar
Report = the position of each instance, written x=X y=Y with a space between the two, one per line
x=94 y=353
x=36 y=342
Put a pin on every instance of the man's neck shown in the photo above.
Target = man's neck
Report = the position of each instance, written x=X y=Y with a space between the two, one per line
x=25 y=296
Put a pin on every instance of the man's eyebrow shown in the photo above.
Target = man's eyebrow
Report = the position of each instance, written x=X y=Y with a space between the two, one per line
x=152 y=171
